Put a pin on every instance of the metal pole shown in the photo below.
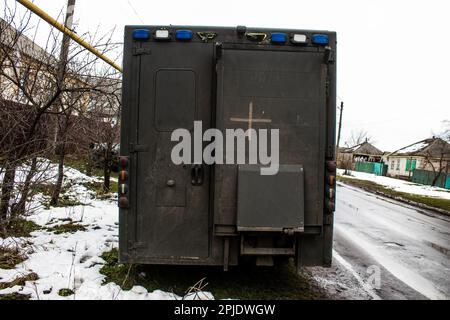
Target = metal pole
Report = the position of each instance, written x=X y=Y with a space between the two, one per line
x=340 y=126
x=42 y=14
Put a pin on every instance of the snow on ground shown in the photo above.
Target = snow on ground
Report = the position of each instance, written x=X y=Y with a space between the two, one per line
x=401 y=185
x=72 y=261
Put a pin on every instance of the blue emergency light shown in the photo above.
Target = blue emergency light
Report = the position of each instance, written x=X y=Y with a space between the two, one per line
x=141 y=34
x=279 y=37
x=321 y=39
x=184 y=34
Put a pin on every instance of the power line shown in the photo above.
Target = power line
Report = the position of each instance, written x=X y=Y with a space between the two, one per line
x=135 y=12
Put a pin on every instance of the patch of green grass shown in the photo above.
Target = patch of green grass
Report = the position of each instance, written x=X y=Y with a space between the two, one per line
x=66 y=292
x=10 y=257
x=97 y=187
x=63 y=201
x=20 y=281
x=78 y=164
x=246 y=283
x=18 y=228
x=70 y=227
x=372 y=186
x=14 y=296
x=43 y=188
x=81 y=165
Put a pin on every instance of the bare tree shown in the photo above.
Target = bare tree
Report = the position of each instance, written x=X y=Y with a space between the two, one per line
x=104 y=127
x=358 y=137
x=437 y=157
x=30 y=77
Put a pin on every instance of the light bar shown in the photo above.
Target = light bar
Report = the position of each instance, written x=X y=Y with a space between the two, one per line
x=279 y=37
x=184 y=34
x=299 y=38
x=141 y=34
x=321 y=39
x=162 y=34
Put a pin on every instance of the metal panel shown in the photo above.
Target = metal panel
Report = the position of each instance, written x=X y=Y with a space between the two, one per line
x=270 y=203
x=175 y=108
x=173 y=214
x=282 y=90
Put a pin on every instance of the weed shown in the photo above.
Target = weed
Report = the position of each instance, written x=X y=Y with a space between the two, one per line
x=248 y=283
x=66 y=292
x=14 y=296
x=18 y=228
x=20 y=281
x=70 y=227
x=10 y=257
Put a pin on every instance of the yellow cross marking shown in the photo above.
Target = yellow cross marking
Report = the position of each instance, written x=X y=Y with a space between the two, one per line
x=250 y=120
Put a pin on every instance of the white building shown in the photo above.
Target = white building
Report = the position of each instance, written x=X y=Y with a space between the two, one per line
x=430 y=154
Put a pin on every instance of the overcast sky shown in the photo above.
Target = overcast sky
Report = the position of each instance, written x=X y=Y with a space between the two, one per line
x=393 y=56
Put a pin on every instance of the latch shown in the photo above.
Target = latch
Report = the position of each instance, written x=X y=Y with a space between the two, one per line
x=197 y=175
x=137 y=51
x=135 y=148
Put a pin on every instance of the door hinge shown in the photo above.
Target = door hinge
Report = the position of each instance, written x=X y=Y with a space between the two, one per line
x=141 y=51
x=329 y=56
x=218 y=50
x=136 y=245
x=135 y=148
x=328 y=219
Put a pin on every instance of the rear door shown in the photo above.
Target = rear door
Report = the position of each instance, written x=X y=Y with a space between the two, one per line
x=172 y=209
x=264 y=87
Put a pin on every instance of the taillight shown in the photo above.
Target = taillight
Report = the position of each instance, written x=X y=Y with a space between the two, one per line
x=330 y=188
x=124 y=166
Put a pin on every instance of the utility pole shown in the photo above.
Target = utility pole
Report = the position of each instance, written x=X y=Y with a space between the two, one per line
x=340 y=125
x=43 y=15
x=66 y=40
x=60 y=132
x=63 y=55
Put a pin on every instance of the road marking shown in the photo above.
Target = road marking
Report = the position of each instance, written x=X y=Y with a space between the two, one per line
x=367 y=287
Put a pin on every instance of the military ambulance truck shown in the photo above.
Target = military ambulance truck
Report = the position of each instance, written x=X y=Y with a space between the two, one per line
x=184 y=80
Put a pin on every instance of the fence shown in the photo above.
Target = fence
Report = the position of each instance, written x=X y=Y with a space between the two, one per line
x=377 y=168
x=426 y=177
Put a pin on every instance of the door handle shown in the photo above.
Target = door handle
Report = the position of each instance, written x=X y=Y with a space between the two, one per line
x=197 y=175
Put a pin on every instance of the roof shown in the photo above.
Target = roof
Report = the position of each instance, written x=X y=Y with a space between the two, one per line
x=11 y=36
x=434 y=147
x=365 y=148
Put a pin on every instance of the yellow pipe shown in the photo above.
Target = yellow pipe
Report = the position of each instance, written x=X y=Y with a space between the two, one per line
x=33 y=8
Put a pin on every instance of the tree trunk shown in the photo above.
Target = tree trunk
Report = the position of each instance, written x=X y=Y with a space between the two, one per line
x=107 y=170
x=7 y=189
x=20 y=208
x=59 y=182
x=436 y=178
x=90 y=161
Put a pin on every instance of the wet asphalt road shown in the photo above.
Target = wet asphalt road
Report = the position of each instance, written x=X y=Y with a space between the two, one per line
x=388 y=249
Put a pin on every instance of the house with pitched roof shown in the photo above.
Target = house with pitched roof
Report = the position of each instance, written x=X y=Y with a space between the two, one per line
x=363 y=152
x=432 y=155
